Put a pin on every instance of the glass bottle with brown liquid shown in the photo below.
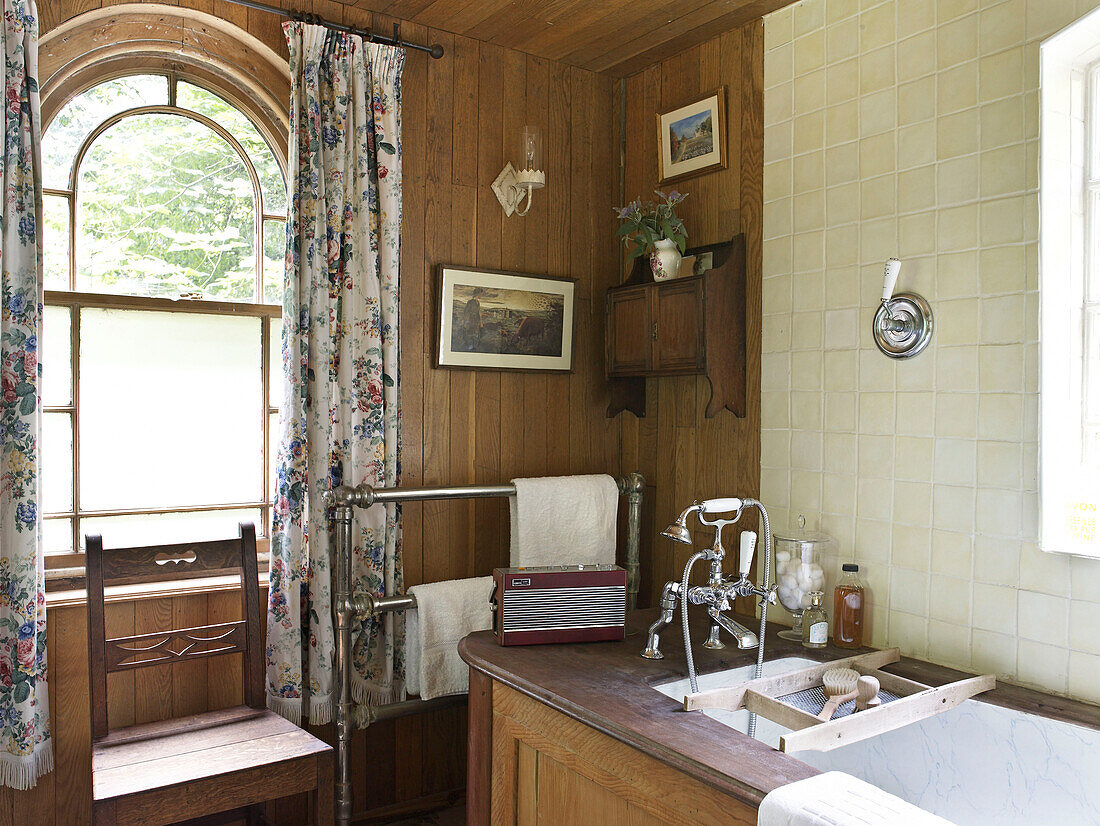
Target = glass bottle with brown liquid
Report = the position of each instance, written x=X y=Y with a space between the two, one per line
x=848 y=609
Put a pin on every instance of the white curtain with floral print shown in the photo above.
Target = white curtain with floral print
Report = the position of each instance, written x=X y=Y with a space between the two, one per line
x=340 y=417
x=26 y=750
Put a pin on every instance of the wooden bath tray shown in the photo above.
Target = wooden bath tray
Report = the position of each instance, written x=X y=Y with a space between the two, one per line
x=911 y=701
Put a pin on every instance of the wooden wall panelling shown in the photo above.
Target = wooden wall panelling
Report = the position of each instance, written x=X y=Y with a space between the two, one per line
x=416 y=330
x=463 y=117
x=464 y=209
x=489 y=514
x=687 y=455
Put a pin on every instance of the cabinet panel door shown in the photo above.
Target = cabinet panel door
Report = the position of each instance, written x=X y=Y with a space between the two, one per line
x=629 y=337
x=679 y=317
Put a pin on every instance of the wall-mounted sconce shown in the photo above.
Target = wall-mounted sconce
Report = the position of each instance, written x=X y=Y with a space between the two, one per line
x=903 y=323
x=514 y=188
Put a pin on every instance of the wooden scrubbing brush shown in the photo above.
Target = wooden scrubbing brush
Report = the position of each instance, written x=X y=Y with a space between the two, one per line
x=839 y=685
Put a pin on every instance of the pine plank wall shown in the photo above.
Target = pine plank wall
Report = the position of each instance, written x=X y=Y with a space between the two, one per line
x=463 y=116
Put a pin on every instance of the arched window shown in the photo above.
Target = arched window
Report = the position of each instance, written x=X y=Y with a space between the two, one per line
x=165 y=214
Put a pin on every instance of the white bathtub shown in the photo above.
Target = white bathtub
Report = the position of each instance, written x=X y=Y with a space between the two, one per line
x=975 y=765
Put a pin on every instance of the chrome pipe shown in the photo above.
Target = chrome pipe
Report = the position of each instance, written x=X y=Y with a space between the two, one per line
x=347 y=606
x=343 y=614
x=633 y=486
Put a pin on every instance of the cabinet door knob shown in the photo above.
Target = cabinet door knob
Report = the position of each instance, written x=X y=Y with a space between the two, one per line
x=654 y=333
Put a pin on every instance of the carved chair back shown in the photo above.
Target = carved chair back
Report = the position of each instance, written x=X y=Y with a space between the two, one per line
x=107 y=567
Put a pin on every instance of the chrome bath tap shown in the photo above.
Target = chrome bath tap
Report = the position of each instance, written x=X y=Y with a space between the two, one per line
x=718 y=593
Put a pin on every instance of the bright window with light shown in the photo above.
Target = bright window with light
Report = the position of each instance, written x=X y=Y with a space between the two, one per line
x=1069 y=285
x=165 y=216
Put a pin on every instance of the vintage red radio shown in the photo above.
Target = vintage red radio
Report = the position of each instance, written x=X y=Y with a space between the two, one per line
x=560 y=603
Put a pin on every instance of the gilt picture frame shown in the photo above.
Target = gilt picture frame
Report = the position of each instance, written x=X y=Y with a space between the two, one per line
x=691 y=139
x=494 y=320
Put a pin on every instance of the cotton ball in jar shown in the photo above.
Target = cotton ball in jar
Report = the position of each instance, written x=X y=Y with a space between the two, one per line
x=789 y=582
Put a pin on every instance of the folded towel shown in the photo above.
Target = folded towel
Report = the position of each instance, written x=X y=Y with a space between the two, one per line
x=564 y=520
x=838 y=799
x=445 y=613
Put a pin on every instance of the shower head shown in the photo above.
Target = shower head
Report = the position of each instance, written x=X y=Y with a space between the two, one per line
x=678 y=531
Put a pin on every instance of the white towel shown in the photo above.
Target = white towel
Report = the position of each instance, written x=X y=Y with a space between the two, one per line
x=564 y=520
x=445 y=613
x=838 y=799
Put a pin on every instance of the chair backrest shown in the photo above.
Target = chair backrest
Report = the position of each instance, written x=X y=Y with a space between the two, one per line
x=165 y=563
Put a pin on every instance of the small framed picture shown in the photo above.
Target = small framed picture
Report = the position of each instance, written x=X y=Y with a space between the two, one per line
x=691 y=139
x=494 y=320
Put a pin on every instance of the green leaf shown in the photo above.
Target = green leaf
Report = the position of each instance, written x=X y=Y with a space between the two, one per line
x=22 y=692
x=26 y=406
x=387 y=147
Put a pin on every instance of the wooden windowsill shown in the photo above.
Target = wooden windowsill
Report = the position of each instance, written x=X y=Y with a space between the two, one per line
x=150 y=590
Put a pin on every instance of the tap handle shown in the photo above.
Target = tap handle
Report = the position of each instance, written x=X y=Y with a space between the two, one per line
x=748 y=547
x=728 y=505
x=890 y=278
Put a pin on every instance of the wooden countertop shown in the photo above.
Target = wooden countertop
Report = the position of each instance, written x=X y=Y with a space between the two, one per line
x=608 y=687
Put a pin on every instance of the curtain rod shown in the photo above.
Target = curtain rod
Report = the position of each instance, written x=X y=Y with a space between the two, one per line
x=435 y=50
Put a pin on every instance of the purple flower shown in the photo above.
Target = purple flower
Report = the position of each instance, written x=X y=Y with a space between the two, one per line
x=674 y=195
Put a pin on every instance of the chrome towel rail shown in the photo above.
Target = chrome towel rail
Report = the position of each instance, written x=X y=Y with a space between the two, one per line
x=346 y=605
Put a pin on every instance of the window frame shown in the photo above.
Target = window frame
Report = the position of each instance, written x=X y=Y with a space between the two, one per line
x=1069 y=287
x=64 y=569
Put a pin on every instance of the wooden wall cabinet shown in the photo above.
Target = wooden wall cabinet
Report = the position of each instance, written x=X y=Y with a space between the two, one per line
x=688 y=326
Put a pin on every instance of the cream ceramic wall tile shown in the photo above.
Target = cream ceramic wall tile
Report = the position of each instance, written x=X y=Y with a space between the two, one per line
x=1002 y=26
x=953 y=508
x=995 y=608
x=913 y=458
x=955 y=462
x=996 y=561
x=949 y=644
x=1084 y=676
x=915 y=413
x=957 y=277
x=1043 y=618
x=808 y=16
x=1042 y=665
x=993 y=653
x=952 y=553
x=956 y=41
x=914 y=16
x=1044 y=572
x=1002 y=74
x=909 y=591
x=947 y=10
x=910 y=127
x=909 y=633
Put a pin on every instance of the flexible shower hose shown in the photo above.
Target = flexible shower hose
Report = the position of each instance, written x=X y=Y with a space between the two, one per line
x=759 y=670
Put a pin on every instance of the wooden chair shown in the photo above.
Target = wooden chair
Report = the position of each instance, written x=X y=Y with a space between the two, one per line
x=216 y=762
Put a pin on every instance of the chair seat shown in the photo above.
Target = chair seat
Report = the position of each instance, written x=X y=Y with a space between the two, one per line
x=155 y=756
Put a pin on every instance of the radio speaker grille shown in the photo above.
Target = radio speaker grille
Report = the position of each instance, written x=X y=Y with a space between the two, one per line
x=549 y=608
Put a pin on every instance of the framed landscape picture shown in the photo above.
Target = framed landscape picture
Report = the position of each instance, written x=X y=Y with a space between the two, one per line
x=504 y=321
x=692 y=139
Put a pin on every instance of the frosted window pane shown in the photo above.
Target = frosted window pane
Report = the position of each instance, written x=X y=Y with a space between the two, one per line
x=55 y=241
x=274 y=261
x=55 y=353
x=57 y=536
x=275 y=363
x=166 y=207
x=273 y=436
x=85 y=112
x=170 y=409
x=162 y=528
x=57 y=463
x=237 y=124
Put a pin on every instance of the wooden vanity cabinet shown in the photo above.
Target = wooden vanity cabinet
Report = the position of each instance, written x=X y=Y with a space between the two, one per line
x=687 y=326
x=530 y=765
